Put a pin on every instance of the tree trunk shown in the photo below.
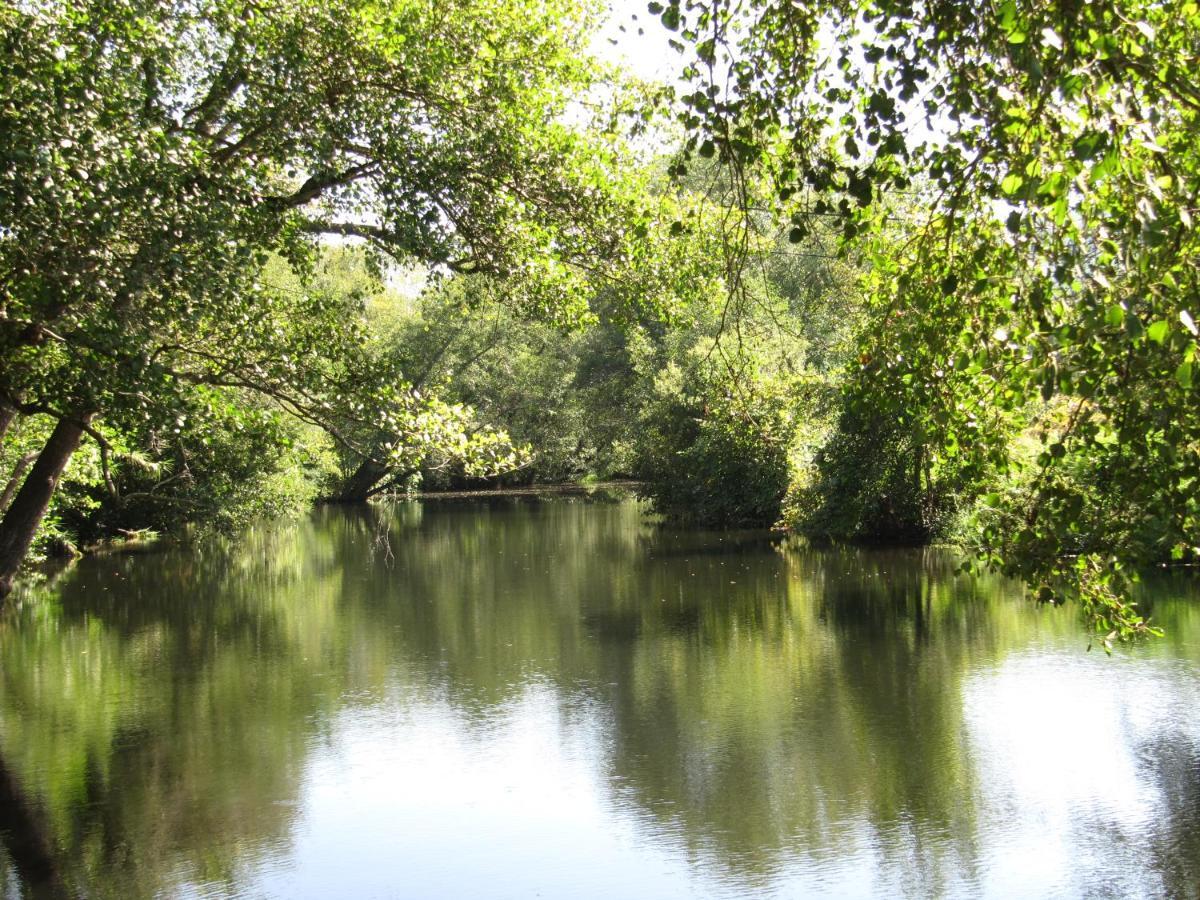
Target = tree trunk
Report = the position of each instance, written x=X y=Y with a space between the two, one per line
x=14 y=480
x=29 y=506
x=357 y=488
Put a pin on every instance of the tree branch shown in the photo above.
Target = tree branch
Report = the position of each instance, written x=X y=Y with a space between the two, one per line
x=316 y=185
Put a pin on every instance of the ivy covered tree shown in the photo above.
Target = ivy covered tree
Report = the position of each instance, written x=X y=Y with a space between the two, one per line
x=154 y=157
x=1041 y=159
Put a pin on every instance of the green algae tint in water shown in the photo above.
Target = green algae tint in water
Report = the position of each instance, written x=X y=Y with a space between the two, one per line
x=561 y=699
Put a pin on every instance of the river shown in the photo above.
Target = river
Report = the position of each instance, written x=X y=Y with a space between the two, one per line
x=560 y=698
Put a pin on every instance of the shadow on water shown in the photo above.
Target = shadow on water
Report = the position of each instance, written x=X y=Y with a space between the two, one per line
x=759 y=718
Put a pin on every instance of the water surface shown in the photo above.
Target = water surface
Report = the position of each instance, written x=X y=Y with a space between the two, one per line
x=524 y=698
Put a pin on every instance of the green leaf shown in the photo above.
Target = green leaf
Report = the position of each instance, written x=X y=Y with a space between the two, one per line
x=859 y=188
x=1088 y=145
x=1184 y=374
x=1133 y=327
x=1007 y=14
x=1049 y=381
x=1158 y=331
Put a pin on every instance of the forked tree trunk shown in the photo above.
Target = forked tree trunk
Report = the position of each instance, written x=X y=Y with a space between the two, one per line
x=29 y=507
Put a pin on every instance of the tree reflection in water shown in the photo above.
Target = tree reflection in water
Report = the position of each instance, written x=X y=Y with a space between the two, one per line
x=755 y=718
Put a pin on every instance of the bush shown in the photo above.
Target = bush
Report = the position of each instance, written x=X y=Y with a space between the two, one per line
x=706 y=454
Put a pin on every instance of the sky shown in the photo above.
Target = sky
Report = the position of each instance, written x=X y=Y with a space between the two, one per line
x=646 y=55
x=649 y=56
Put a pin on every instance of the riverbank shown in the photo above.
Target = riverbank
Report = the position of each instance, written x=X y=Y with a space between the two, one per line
x=533 y=490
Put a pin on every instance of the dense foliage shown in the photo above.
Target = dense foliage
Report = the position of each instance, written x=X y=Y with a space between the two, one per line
x=1040 y=159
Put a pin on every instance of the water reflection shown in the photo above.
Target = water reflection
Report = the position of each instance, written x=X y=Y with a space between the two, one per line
x=501 y=699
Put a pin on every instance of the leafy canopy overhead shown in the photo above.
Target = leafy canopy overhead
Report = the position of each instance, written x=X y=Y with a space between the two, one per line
x=155 y=156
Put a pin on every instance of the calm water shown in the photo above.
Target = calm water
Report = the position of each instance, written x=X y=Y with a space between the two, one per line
x=560 y=699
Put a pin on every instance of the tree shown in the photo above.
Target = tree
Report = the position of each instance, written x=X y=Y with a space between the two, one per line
x=735 y=390
x=560 y=392
x=154 y=156
x=1050 y=271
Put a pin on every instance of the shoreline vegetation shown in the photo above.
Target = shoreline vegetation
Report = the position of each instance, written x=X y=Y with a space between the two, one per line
x=570 y=489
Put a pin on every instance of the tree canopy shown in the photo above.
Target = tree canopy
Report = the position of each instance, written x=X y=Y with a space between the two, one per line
x=1039 y=162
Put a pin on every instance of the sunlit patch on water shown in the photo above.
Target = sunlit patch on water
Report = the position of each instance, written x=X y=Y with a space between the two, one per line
x=1076 y=791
